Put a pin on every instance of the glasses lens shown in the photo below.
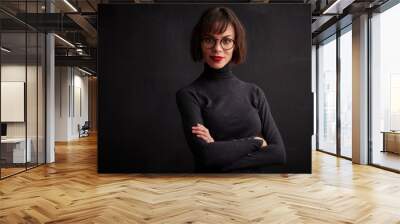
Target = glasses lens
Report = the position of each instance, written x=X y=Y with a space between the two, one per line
x=226 y=43
x=208 y=42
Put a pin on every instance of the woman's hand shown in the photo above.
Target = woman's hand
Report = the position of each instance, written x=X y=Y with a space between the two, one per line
x=202 y=132
x=264 y=142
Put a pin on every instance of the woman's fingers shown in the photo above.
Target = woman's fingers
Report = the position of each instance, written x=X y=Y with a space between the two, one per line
x=200 y=128
x=203 y=137
x=200 y=132
x=204 y=128
x=206 y=138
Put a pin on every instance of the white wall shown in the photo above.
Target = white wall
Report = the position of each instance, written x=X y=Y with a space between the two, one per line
x=62 y=81
x=71 y=93
x=80 y=102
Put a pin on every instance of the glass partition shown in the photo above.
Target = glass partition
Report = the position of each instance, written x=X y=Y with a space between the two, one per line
x=22 y=88
x=32 y=95
x=14 y=153
x=385 y=88
x=327 y=95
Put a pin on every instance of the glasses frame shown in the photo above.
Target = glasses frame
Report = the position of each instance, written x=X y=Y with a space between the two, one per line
x=219 y=42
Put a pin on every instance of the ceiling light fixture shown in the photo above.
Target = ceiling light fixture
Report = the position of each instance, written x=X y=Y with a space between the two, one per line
x=86 y=72
x=64 y=40
x=331 y=7
x=5 y=50
x=338 y=6
x=70 y=5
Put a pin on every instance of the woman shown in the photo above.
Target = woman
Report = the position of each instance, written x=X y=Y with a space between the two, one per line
x=227 y=122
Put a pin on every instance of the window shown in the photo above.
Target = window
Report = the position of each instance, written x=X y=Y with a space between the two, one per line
x=327 y=95
x=385 y=88
x=346 y=92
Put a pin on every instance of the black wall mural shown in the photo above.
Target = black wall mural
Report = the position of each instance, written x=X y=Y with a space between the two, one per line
x=144 y=58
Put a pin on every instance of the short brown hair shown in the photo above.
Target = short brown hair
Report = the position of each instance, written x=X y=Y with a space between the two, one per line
x=216 y=20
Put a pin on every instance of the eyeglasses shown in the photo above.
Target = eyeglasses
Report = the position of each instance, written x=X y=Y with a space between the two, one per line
x=226 y=43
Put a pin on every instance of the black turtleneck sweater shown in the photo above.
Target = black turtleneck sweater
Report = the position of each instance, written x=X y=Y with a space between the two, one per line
x=234 y=112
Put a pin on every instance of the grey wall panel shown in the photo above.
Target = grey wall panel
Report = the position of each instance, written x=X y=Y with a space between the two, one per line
x=144 y=59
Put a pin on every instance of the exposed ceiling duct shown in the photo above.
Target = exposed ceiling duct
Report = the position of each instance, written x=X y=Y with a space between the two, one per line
x=76 y=21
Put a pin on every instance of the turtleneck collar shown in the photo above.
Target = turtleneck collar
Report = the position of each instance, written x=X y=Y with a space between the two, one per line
x=222 y=73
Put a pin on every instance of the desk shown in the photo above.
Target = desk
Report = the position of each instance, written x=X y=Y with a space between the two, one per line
x=13 y=150
x=391 y=141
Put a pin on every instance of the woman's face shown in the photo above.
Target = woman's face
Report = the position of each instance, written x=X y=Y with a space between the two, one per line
x=216 y=56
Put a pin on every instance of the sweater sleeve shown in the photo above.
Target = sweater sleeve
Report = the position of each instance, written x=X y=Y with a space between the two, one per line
x=217 y=154
x=274 y=153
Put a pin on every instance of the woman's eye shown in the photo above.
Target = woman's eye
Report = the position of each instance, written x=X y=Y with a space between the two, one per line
x=227 y=41
x=207 y=40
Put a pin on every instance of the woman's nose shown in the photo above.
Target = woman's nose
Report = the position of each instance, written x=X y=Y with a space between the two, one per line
x=217 y=46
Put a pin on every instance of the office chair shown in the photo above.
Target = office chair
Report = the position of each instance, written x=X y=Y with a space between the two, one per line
x=84 y=130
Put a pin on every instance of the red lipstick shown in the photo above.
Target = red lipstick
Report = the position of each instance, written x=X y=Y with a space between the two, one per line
x=216 y=58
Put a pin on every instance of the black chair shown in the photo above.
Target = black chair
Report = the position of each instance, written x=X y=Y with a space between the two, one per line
x=84 y=130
